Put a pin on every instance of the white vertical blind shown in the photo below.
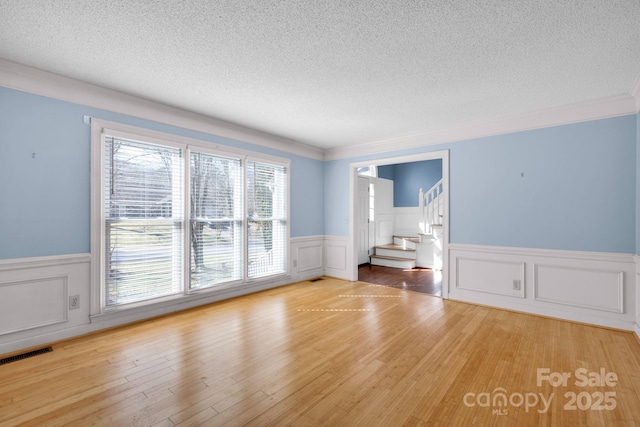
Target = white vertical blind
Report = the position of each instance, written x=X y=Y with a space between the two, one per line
x=266 y=219
x=216 y=232
x=143 y=221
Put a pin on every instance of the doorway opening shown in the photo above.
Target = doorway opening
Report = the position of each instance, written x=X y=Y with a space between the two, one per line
x=417 y=279
x=399 y=242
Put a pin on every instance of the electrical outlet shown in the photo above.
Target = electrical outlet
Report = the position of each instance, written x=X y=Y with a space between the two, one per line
x=516 y=285
x=74 y=302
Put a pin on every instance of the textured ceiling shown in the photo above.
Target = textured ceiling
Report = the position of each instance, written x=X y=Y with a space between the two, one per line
x=334 y=73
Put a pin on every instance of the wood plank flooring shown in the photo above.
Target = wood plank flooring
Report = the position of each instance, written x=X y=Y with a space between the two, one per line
x=331 y=353
x=417 y=279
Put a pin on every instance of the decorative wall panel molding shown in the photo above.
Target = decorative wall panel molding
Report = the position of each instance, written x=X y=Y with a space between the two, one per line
x=33 y=303
x=34 y=298
x=496 y=277
x=594 y=289
x=307 y=257
x=337 y=260
x=589 y=287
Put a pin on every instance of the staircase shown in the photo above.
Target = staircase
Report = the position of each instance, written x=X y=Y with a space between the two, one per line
x=399 y=254
x=425 y=250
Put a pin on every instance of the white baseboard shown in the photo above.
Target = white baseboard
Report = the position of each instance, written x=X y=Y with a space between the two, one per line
x=636 y=259
x=589 y=287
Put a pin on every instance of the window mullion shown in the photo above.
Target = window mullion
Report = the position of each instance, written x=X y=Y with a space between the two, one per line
x=186 y=223
x=245 y=220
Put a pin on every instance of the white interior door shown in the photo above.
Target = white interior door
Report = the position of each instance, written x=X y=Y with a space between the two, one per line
x=384 y=214
x=363 y=220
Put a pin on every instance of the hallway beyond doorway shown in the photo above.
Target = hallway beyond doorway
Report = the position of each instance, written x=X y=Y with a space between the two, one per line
x=422 y=280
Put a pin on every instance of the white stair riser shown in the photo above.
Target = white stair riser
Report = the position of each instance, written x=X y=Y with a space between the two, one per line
x=403 y=242
x=396 y=253
x=393 y=263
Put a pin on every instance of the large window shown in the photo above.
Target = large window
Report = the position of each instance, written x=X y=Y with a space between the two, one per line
x=266 y=219
x=177 y=217
x=216 y=220
x=143 y=221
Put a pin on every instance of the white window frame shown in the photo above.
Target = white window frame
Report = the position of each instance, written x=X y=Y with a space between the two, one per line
x=372 y=171
x=100 y=128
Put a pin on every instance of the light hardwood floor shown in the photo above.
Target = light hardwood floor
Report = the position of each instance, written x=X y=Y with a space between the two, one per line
x=329 y=353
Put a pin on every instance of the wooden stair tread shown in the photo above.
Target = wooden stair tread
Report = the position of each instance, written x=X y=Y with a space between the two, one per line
x=395 y=248
x=409 y=238
x=392 y=258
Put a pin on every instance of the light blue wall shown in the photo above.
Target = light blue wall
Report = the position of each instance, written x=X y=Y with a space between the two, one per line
x=336 y=198
x=578 y=190
x=307 y=196
x=409 y=178
x=386 y=172
x=45 y=200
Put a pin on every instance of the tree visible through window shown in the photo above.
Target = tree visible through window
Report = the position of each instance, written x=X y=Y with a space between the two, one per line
x=143 y=221
x=177 y=219
x=216 y=220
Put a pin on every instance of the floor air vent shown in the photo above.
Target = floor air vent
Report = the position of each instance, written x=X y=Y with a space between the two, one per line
x=25 y=355
x=317 y=279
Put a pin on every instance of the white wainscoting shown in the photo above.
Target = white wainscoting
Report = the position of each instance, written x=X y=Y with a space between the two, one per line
x=384 y=229
x=307 y=257
x=636 y=327
x=338 y=260
x=34 y=295
x=494 y=277
x=605 y=289
x=590 y=287
x=407 y=221
x=33 y=303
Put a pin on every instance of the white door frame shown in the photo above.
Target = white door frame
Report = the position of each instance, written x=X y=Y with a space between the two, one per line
x=353 y=188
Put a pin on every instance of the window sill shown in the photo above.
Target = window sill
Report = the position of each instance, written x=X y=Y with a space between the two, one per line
x=140 y=311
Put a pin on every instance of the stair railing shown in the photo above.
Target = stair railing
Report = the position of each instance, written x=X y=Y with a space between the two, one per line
x=431 y=206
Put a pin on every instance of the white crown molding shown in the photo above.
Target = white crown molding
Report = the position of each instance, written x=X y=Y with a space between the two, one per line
x=31 y=80
x=635 y=92
x=603 y=108
x=38 y=82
